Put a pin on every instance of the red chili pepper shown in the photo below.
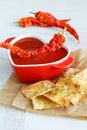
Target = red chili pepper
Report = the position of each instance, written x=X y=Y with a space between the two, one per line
x=55 y=43
x=70 y=29
x=45 y=17
x=65 y=20
x=50 y=20
x=29 y=21
x=14 y=49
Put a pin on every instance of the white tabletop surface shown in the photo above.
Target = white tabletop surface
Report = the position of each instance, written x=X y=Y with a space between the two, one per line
x=11 y=11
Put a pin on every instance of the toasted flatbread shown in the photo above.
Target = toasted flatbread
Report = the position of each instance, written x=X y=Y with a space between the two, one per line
x=42 y=103
x=80 y=80
x=62 y=94
x=70 y=72
x=71 y=89
x=38 y=88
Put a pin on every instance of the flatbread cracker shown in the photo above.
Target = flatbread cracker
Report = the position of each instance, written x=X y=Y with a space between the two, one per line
x=80 y=80
x=42 y=103
x=70 y=72
x=38 y=88
x=62 y=94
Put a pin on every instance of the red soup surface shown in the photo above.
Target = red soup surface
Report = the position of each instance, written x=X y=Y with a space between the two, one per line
x=31 y=43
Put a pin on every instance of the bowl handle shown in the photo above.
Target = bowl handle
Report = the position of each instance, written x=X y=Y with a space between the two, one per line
x=9 y=39
x=65 y=64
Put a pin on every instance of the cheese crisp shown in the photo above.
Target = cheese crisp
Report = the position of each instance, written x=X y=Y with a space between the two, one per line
x=70 y=89
x=37 y=89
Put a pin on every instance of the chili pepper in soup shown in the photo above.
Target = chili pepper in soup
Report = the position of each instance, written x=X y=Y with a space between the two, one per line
x=30 y=44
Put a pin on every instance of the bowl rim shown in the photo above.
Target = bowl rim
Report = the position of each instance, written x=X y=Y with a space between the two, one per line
x=34 y=65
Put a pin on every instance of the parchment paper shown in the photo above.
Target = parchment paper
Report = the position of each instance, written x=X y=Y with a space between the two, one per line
x=11 y=95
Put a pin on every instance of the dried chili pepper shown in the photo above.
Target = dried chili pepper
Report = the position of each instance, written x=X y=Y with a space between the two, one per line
x=14 y=49
x=45 y=17
x=54 y=44
x=70 y=29
x=29 y=21
x=65 y=20
x=50 y=20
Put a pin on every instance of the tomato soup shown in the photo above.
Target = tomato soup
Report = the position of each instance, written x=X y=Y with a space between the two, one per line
x=30 y=44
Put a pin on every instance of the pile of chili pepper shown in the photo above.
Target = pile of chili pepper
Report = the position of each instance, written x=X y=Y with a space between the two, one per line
x=45 y=19
x=54 y=44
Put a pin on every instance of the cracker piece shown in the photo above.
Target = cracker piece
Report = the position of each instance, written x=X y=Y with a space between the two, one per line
x=80 y=80
x=38 y=88
x=70 y=72
x=42 y=103
x=62 y=94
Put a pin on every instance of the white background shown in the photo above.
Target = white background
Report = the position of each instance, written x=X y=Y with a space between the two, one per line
x=11 y=11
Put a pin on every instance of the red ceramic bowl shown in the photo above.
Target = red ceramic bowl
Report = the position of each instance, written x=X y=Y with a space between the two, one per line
x=37 y=72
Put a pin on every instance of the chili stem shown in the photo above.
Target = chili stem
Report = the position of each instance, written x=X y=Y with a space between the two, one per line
x=32 y=12
x=16 y=22
x=64 y=31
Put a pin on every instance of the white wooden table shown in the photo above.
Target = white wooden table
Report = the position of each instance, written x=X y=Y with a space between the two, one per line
x=10 y=11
